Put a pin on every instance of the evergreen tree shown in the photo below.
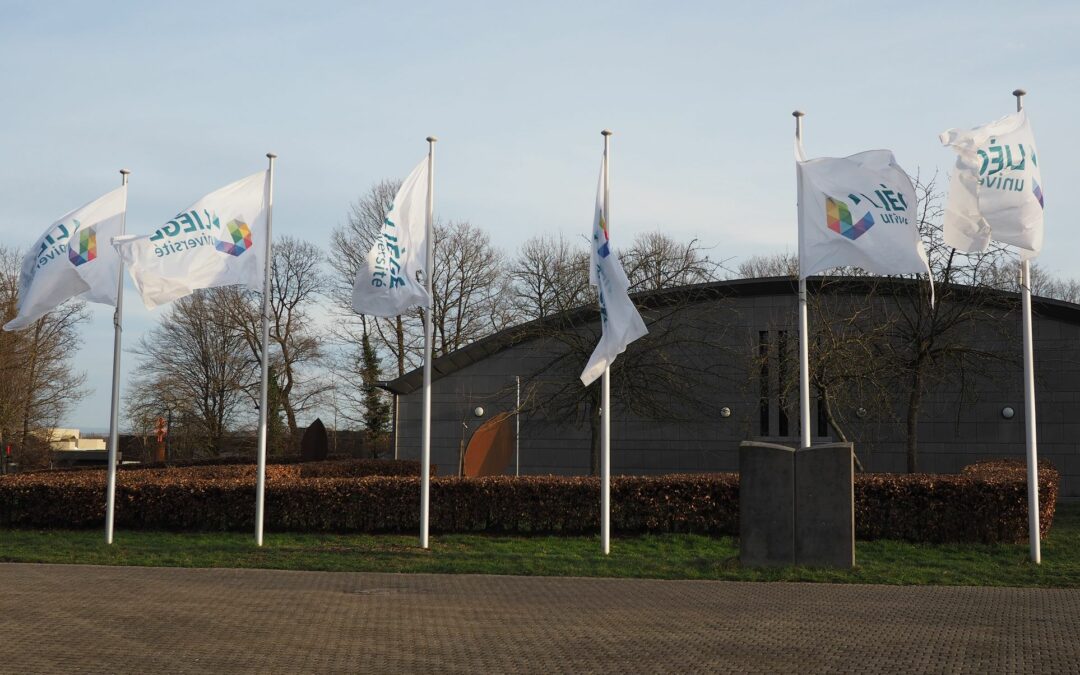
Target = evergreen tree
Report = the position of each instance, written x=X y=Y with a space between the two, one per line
x=376 y=405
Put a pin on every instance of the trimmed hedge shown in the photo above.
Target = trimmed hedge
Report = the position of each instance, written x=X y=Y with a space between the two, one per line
x=190 y=500
x=985 y=503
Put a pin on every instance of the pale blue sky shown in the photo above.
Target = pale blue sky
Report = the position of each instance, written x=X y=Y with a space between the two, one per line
x=191 y=96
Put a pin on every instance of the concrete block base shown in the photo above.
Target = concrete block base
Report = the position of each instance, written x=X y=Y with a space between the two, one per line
x=825 y=506
x=766 y=505
x=796 y=507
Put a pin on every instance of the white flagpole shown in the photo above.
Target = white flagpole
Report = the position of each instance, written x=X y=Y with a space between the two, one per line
x=804 y=332
x=605 y=386
x=1029 y=397
x=429 y=273
x=260 y=480
x=114 y=410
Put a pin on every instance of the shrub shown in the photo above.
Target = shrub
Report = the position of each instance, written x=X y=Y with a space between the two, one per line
x=985 y=503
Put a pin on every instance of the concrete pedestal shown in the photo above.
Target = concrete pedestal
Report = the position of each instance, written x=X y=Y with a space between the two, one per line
x=796 y=507
x=825 y=506
x=766 y=505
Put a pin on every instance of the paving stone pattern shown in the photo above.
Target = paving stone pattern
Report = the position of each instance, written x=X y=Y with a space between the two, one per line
x=87 y=619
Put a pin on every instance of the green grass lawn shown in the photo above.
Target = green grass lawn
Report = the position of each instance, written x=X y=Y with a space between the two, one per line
x=651 y=556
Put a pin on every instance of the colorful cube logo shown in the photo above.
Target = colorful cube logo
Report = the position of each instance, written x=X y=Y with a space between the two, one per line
x=838 y=217
x=240 y=234
x=85 y=249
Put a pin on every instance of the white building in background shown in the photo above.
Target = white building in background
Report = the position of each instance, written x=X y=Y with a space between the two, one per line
x=70 y=439
x=69 y=448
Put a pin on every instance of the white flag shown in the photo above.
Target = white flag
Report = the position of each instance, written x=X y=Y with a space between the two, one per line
x=73 y=258
x=857 y=211
x=619 y=319
x=387 y=283
x=996 y=189
x=217 y=241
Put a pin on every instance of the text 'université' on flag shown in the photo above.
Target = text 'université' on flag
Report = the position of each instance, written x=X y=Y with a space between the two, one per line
x=388 y=280
x=619 y=319
x=857 y=211
x=73 y=258
x=996 y=188
x=217 y=241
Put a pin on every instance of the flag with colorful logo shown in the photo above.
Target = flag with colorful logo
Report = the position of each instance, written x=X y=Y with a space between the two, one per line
x=619 y=319
x=388 y=281
x=996 y=189
x=857 y=211
x=217 y=241
x=73 y=258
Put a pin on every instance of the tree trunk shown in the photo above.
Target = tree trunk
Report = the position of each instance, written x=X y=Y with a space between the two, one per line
x=914 y=406
x=835 y=425
x=290 y=420
x=31 y=384
x=399 y=333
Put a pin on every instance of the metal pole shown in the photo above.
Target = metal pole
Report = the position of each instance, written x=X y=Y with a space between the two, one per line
x=260 y=481
x=517 y=429
x=429 y=270
x=605 y=402
x=804 y=331
x=114 y=409
x=1029 y=396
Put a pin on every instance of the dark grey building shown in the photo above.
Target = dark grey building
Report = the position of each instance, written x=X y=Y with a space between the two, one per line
x=741 y=350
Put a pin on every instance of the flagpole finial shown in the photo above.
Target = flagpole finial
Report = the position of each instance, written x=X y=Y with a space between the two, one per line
x=432 y=139
x=271 y=155
x=1019 y=94
x=607 y=132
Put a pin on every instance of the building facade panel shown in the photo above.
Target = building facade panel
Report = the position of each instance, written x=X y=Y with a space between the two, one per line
x=961 y=421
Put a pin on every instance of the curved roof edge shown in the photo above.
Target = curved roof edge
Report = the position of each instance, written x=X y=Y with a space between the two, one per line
x=730 y=288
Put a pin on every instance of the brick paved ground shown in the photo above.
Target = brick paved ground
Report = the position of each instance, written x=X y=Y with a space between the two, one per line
x=61 y=618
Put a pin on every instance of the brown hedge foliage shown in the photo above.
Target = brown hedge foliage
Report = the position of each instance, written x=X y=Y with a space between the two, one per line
x=986 y=503
x=189 y=500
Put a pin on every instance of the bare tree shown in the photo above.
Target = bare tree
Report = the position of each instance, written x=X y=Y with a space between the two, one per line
x=849 y=373
x=472 y=296
x=665 y=375
x=549 y=276
x=35 y=363
x=768 y=265
x=11 y=369
x=655 y=260
x=932 y=343
x=296 y=282
x=1006 y=276
x=349 y=247
x=915 y=344
x=470 y=287
x=195 y=361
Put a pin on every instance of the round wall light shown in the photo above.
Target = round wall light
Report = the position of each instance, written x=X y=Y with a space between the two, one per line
x=478 y=411
x=860 y=413
x=725 y=412
x=1008 y=413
